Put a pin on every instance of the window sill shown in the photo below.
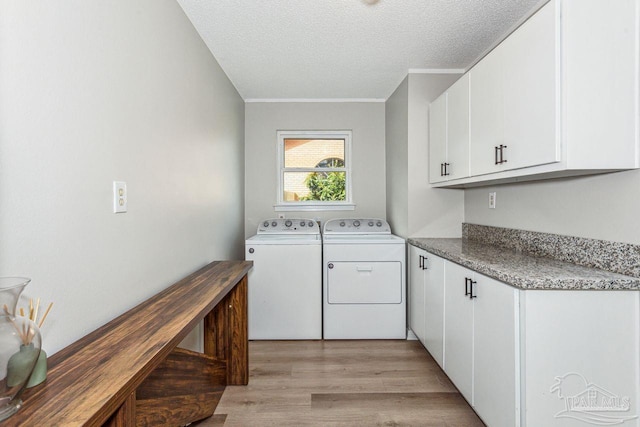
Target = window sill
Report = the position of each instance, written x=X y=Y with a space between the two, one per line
x=306 y=207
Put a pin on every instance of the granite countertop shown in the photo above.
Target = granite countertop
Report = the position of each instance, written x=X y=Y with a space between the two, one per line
x=522 y=270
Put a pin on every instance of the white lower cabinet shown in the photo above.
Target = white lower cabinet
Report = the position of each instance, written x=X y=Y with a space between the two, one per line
x=458 y=330
x=469 y=324
x=581 y=358
x=434 y=306
x=530 y=358
x=496 y=366
x=416 y=291
x=481 y=343
x=426 y=300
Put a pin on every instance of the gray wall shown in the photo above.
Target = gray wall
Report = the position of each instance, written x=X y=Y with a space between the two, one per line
x=600 y=207
x=414 y=208
x=94 y=92
x=397 y=155
x=263 y=120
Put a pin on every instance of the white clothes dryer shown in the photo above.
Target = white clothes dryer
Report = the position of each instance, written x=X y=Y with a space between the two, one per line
x=363 y=284
x=285 y=285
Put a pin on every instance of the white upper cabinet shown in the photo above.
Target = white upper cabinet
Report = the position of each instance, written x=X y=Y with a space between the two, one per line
x=438 y=138
x=600 y=90
x=486 y=112
x=529 y=93
x=449 y=133
x=558 y=97
x=513 y=100
x=458 y=129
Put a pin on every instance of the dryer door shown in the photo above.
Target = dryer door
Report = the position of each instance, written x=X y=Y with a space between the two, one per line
x=364 y=282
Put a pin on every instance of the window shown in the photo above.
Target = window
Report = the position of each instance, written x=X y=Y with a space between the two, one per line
x=314 y=170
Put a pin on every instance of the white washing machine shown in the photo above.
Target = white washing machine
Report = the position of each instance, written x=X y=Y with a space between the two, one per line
x=285 y=285
x=363 y=284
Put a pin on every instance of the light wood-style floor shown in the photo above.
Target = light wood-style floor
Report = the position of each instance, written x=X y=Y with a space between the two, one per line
x=342 y=383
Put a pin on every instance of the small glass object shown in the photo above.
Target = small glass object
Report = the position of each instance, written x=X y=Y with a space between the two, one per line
x=20 y=344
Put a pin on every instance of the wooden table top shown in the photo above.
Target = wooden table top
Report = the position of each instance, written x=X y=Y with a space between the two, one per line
x=88 y=380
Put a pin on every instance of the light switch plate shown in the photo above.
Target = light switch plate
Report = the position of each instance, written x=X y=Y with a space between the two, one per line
x=119 y=197
x=492 y=200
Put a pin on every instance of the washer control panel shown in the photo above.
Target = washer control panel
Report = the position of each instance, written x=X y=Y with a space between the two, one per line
x=288 y=226
x=357 y=226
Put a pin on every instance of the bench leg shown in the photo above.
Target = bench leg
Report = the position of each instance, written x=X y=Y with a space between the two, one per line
x=125 y=416
x=226 y=334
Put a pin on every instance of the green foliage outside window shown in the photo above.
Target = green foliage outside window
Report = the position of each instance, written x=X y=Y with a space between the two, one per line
x=325 y=186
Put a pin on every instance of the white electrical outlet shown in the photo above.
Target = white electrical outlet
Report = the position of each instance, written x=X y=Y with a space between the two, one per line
x=492 y=200
x=119 y=197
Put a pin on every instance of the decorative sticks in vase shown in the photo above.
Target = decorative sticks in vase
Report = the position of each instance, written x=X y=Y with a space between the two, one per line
x=26 y=333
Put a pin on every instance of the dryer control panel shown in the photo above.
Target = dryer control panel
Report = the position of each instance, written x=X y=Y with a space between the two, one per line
x=288 y=226
x=357 y=226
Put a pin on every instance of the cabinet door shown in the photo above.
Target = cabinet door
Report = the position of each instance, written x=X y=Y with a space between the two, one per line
x=496 y=337
x=458 y=129
x=437 y=138
x=416 y=292
x=458 y=330
x=434 y=307
x=486 y=113
x=603 y=347
x=529 y=85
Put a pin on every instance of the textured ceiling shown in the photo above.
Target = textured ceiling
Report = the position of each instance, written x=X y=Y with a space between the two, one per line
x=355 y=49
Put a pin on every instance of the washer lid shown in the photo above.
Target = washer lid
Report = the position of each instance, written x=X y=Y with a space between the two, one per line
x=363 y=239
x=284 y=239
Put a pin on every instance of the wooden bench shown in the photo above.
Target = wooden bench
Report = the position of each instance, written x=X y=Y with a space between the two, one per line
x=129 y=372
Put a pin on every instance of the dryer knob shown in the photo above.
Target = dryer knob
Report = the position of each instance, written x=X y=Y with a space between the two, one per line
x=302 y=224
x=330 y=265
x=287 y=223
x=273 y=223
x=379 y=223
x=251 y=250
x=265 y=224
x=341 y=223
x=370 y=223
x=356 y=223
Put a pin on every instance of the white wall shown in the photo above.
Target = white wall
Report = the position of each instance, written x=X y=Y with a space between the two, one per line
x=600 y=206
x=414 y=208
x=93 y=92
x=264 y=119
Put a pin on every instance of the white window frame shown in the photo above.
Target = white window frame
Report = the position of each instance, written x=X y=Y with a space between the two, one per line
x=315 y=205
